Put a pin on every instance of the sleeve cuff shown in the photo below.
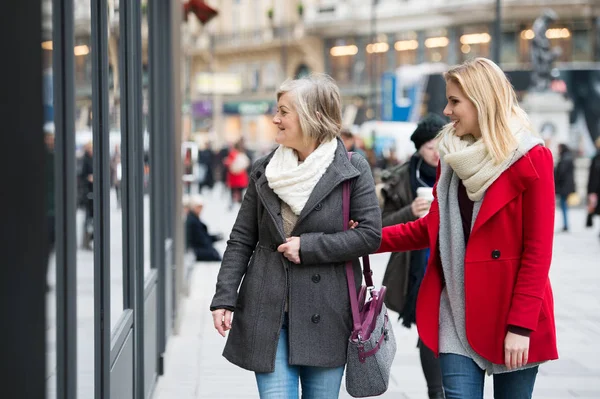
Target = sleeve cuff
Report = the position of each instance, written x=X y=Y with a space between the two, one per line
x=213 y=308
x=519 y=330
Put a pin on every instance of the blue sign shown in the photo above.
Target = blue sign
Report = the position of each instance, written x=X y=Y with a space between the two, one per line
x=397 y=99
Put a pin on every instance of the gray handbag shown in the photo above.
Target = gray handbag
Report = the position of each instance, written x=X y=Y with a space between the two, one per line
x=372 y=345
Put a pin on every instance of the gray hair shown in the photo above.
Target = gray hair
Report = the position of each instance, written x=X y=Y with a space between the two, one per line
x=316 y=98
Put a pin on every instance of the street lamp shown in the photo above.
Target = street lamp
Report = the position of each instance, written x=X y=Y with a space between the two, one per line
x=497 y=42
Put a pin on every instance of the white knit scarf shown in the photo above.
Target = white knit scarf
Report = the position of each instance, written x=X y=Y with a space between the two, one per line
x=474 y=165
x=293 y=182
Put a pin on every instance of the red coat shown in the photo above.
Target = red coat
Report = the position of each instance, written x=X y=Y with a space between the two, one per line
x=507 y=260
x=235 y=180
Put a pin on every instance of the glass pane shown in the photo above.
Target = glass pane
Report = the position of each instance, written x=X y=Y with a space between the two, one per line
x=145 y=123
x=116 y=171
x=48 y=131
x=85 y=184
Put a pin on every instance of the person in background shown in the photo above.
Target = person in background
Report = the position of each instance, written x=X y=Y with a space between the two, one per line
x=405 y=270
x=116 y=173
x=206 y=162
x=288 y=250
x=593 y=186
x=237 y=163
x=197 y=236
x=490 y=231
x=86 y=179
x=50 y=193
x=564 y=180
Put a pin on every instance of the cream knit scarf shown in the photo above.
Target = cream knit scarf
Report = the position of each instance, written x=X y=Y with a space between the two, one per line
x=293 y=182
x=473 y=164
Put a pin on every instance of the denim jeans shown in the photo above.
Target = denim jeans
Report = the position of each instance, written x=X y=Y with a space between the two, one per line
x=317 y=382
x=463 y=379
x=565 y=209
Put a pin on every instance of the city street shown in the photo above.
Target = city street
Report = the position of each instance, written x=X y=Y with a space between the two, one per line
x=195 y=368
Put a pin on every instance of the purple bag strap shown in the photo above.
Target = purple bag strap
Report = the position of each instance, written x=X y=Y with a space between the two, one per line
x=349 y=269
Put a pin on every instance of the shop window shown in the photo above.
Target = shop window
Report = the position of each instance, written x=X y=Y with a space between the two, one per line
x=406 y=47
x=376 y=57
x=342 y=57
x=436 y=46
x=474 y=42
x=509 y=48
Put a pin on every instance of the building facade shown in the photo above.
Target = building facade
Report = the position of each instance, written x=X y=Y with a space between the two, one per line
x=236 y=63
x=365 y=39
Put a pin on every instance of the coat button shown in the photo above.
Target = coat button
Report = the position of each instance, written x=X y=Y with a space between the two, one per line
x=316 y=318
x=319 y=207
x=316 y=278
x=495 y=254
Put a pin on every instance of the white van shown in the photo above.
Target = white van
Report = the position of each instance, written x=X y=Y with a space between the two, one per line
x=389 y=136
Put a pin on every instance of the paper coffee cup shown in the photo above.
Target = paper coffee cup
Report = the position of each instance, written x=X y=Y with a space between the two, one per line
x=425 y=192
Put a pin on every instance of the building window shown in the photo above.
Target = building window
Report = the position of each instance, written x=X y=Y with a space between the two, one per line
x=376 y=57
x=474 y=41
x=436 y=46
x=406 y=47
x=342 y=57
x=572 y=39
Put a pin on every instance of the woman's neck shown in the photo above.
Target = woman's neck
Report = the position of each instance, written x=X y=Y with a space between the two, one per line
x=305 y=151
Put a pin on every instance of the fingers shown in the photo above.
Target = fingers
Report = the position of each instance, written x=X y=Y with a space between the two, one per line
x=227 y=320
x=218 y=320
x=352 y=224
x=222 y=320
x=515 y=358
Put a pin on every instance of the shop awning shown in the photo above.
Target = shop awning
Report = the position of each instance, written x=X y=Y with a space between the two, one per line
x=203 y=11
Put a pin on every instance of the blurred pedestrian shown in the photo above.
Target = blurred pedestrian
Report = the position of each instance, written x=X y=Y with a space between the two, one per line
x=237 y=163
x=402 y=204
x=593 y=187
x=489 y=230
x=116 y=173
x=50 y=193
x=86 y=179
x=288 y=248
x=564 y=181
x=206 y=163
x=197 y=236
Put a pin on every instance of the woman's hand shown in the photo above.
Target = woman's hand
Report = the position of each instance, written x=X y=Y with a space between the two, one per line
x=291 y=249
x=516 y=350
x=420 y=206
x=222 y=320
x=352 y=224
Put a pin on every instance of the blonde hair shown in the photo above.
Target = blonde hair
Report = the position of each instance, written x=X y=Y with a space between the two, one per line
x=317 y=101
x=490 y=91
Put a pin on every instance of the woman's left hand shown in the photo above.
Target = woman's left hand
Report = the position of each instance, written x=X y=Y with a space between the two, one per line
x=516 y=350
x=291 y=249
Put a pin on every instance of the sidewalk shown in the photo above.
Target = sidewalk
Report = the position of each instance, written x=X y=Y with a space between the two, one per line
x=195 y=368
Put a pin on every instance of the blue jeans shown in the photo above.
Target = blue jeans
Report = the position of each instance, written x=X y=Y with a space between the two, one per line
x=317 y=382
x=565 y=209
x=463 y=379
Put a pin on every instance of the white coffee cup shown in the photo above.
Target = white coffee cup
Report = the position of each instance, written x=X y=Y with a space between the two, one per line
x=427 y=193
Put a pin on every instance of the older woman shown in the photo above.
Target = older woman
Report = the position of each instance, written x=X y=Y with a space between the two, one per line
x=288 y=244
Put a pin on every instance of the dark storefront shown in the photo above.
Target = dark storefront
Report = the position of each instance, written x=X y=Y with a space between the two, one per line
x=91 y=273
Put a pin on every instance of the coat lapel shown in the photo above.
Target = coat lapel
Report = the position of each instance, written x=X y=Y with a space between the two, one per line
x=267 y=196
x=507 y=187
x=341 y=169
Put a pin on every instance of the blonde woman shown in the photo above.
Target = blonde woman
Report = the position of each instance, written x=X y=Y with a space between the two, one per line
x=485 y=304
x=292 y=312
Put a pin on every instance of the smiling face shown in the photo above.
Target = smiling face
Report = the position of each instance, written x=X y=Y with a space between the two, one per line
x=289 y=132
x=461 y=111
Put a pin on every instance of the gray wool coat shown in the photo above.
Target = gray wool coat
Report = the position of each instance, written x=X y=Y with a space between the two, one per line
x=320 y=320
